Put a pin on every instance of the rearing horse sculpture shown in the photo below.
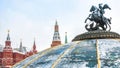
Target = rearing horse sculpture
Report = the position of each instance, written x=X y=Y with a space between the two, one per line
x=96 y=17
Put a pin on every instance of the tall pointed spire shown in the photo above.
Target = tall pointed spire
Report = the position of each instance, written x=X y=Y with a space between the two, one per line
x=56 y=23
x=56 y=37
x=56 y=26
x=66 y=37
x=8 y=37
x=34 y=47
x=21 y=47
x=8 y=42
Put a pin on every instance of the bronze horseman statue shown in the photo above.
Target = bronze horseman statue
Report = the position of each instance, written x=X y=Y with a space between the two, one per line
x=97 y=25
x=96 y=20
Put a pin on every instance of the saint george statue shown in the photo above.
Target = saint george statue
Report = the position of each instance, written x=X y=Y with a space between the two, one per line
x=96 y=20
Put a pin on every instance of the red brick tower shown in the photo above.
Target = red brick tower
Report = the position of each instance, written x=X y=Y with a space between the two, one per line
x=34 y=48
x=56 y=37
x=7 y=60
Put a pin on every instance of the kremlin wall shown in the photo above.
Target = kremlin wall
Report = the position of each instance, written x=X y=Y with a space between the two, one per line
x=10 y=56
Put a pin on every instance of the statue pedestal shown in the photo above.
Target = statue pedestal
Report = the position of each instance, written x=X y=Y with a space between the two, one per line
x=98 y=34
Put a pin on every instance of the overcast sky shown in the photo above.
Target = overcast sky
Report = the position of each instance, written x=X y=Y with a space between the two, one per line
x=27 y=19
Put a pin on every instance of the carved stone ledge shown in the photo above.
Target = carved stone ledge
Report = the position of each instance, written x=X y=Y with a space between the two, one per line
x=98 y=34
